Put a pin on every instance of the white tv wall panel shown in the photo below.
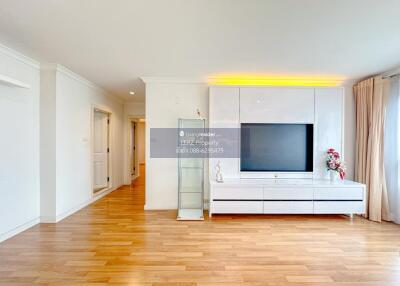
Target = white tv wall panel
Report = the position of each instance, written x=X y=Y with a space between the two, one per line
x=276 y=105
x=328 y=126
x=224 y=106
x=224 y=113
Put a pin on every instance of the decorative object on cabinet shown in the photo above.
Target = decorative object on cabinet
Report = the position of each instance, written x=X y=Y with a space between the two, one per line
x=218 y=176
x=335 y=165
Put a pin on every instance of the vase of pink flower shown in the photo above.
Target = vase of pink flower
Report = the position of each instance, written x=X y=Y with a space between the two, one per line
x=335 y=165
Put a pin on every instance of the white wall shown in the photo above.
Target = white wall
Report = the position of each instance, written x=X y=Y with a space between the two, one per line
x=165 y=103
x=47 y=144
x=19 y=145
x=141 y=148
x=75 y=99
x=135 y=109
x=75 y=102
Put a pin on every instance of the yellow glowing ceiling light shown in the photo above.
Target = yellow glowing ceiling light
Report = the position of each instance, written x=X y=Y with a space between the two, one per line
x=257 y=80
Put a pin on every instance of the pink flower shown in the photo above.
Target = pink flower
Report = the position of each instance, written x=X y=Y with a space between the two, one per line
x=334 y=163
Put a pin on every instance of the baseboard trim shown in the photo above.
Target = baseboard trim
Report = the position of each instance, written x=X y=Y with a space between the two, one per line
x=47 y=219
x=19 y=229
x=60 y=217
x=52 y=219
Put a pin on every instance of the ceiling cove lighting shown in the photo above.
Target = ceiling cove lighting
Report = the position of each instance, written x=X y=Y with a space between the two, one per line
x=268 y=80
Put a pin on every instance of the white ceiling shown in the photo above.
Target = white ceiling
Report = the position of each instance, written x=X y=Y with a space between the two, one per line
x=112 y=43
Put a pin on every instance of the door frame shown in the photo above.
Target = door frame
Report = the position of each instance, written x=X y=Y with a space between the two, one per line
x=133 y=153
x=99 y=108
x=128 y=141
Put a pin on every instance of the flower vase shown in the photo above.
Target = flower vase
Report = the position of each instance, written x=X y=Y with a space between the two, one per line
x=333 y=175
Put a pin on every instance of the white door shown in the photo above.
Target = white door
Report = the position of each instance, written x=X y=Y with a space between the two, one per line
x=100 y=147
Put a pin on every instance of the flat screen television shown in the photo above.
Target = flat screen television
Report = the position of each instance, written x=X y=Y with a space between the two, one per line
x=276 y=147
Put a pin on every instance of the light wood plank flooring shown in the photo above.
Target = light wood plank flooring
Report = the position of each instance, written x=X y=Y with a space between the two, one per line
x=115 y=242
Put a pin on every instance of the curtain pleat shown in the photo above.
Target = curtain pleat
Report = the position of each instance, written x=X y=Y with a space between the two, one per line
x=370 y=121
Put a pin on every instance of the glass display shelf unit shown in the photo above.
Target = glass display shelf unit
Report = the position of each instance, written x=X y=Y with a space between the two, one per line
x=190 y=173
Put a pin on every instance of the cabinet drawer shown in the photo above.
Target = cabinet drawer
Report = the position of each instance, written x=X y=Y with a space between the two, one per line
x=237 y=207
x=348 y=207
x=288 y=207
x=288 y=193
x=338 y=193
x=226 y=193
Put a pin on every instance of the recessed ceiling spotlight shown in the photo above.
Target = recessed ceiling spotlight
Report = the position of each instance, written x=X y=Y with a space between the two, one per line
x=132 y=92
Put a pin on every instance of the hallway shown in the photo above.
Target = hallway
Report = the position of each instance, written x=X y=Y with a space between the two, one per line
x=115 y=242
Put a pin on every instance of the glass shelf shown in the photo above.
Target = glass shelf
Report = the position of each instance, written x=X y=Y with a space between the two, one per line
x=190 y=176
x=191 y=167
x=190 y=214
x=190 y=189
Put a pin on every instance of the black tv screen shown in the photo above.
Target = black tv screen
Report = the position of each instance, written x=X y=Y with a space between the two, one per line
x=276 y=147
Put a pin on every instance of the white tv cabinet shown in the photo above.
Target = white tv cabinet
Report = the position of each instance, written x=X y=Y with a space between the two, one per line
x=286 y=196
x=280 y=192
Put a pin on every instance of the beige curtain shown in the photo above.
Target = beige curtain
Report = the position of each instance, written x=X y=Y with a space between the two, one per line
x=370 y=121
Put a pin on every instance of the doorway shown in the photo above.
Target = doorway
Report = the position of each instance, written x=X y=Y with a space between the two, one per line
x=134 y=162
x=137 y=147
x=101 y=150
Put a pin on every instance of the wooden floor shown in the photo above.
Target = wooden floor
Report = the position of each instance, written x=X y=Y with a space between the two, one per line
x=115 y=242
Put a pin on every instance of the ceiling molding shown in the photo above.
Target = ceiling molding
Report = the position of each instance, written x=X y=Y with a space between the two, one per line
x=9 y=81
x=64 y=70
x=18 y=56
x=77 y=77
x=392 y=72
x=172 y=80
